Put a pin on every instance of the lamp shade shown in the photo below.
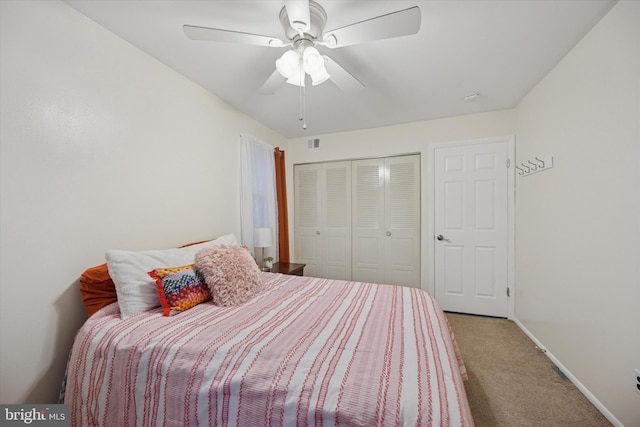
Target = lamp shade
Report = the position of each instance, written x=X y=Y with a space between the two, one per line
x=320 y=76
x=262 y=237
x=288 y=64
x=312 y=61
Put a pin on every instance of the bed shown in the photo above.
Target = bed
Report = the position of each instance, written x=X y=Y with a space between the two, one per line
x=302 y=351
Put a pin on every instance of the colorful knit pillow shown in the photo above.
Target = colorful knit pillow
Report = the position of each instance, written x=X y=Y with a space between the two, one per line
x=180 y=288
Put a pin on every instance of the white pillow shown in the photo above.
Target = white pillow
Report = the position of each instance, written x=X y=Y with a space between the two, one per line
x=136 y=290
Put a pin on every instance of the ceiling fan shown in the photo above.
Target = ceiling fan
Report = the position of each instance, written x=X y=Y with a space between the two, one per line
x=304 y=22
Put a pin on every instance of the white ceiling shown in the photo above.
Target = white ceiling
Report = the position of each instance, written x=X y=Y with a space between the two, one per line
x=497 y=48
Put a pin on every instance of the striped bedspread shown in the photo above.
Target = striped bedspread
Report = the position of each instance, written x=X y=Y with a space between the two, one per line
x=303 y=352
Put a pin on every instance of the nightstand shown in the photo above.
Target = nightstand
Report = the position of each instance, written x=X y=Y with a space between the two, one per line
x=288 y=268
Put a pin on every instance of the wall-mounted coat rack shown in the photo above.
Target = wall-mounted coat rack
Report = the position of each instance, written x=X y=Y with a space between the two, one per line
x=537 y=164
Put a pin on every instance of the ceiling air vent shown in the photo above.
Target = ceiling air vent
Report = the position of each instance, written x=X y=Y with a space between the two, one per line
x=313 y=144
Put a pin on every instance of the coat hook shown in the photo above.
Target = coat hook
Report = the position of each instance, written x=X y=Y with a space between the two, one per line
x=531 y=166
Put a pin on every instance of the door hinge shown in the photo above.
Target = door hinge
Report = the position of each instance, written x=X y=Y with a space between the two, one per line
x=508 y=293
x=508 y=163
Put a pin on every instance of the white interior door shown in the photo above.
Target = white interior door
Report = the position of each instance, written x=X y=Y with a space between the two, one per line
x=402 y=218
x=471 y=207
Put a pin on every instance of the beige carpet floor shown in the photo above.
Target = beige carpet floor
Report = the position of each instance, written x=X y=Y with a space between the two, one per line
x=512 y=383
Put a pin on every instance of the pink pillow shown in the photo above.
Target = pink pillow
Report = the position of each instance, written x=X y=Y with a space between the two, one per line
x=230 y=273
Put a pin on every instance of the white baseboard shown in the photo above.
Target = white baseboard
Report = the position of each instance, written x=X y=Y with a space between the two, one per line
x=571 y=377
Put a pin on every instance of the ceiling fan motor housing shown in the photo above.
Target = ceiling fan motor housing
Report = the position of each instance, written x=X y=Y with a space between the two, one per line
x=316 y=26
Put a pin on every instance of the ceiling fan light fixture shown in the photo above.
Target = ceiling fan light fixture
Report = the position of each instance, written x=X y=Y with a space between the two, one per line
x=314 y=65
x=294 y=66
x=288 y=64
x=312 y=61
x=320 y=77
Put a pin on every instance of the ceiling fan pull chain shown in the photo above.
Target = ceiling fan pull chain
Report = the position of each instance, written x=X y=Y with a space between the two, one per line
x=300 y=115
x=302 y=101
x=304 y=108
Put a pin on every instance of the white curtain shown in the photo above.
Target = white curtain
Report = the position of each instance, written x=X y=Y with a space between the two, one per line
x=258 y=192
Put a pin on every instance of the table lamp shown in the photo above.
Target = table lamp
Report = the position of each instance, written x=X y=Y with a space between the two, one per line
x=262 y=239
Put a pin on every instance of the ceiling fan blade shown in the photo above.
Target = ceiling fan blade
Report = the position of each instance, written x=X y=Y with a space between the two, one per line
x=299 y=15
x=401 y=23
x=342 y=78
x=272 y=84
x=227 y=36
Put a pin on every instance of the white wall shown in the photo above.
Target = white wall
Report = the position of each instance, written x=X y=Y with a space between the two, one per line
x=400 y=139
x=102 y=147
x=578 y=224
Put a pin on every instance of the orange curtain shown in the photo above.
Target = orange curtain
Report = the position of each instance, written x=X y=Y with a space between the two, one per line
x=283 y=216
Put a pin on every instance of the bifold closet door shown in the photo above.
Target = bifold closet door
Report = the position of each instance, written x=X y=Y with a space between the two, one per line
x=307 y=218
x=368 y=220
x=386 y=220
x=336 y=220
x=402 y=220
x=323 y=219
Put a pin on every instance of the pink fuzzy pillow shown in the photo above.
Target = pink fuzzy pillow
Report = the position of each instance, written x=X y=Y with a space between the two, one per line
x=230 y=273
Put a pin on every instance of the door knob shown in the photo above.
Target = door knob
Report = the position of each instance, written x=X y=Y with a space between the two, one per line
x=388 y=233
x=318 y=233
x=441 y=237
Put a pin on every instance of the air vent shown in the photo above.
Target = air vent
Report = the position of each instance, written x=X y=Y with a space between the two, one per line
x=313 y=144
